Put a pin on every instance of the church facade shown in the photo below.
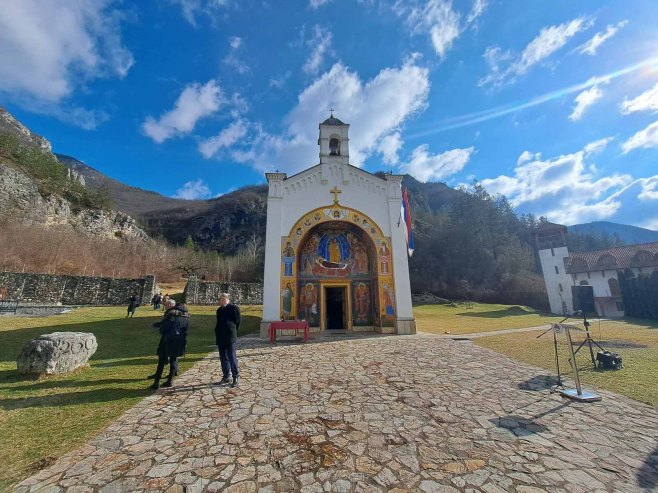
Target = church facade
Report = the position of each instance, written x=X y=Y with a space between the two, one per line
x=336 y=254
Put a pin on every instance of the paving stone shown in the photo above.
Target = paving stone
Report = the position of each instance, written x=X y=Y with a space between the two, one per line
x=357 y=414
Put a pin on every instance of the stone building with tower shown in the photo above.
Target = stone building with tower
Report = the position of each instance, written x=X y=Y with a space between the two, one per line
x=335 y=252
x=598 y=269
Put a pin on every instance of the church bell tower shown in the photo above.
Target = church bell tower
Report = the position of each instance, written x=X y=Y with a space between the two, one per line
x=334 y=141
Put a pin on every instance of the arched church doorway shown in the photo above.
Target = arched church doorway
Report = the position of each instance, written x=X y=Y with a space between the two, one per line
x=337 y=277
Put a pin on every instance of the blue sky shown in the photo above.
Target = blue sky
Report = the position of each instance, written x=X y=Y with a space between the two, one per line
x=554 y=104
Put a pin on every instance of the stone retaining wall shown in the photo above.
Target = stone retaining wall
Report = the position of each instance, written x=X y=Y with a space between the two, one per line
x=74 y=290
x=199 y=292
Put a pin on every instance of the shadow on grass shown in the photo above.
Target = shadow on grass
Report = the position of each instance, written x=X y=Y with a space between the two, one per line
x=512 y=311
x=72 y=398
x=45 y=384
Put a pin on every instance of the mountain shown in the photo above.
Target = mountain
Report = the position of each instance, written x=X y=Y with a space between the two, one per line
x=224 y=223
x=627 y=233
x=35 y=189
x=131 y=200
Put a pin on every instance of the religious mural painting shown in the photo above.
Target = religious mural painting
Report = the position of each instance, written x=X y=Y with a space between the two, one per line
x=309 y=297
x=337 y=243
x=386 y=301
x=288 y=300
x=362 y=303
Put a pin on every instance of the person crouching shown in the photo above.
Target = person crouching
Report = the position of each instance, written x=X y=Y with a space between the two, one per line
x=173 y=338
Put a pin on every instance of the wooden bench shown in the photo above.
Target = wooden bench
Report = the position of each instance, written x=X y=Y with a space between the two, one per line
x=295 y=325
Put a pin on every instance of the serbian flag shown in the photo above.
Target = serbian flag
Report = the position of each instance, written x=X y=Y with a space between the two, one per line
x=405 y=219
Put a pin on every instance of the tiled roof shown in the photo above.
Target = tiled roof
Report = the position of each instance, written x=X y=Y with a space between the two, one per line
x=332 y=120
x=642 y=255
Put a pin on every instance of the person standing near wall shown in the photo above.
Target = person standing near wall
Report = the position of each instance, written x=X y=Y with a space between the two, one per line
x=132 y=306
x=226 y=337
x=173 y=340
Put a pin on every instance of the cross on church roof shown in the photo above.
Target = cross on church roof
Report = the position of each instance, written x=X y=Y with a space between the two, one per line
x=335 y=191
x=331 y=110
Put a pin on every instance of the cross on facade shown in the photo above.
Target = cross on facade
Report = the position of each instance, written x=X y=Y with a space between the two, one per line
x=335 y=191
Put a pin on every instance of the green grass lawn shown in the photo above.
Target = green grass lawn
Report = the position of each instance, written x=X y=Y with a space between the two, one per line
x=635 y=340
x=42 y=419
x=479 y=317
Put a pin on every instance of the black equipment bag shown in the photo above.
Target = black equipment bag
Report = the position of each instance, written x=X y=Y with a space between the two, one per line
x=609 y=361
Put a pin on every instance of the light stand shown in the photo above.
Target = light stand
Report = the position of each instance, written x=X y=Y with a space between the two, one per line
x=576 y=394
x=555 y=328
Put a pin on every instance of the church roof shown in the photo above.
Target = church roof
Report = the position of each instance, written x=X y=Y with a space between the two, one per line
x=332 y=120
x=627 y=256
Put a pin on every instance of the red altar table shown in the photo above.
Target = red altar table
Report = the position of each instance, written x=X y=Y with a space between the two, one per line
x=295 y=325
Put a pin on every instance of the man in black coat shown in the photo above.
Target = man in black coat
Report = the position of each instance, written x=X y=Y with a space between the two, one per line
x=173 y=339
x=226 y=337
x=132 y=306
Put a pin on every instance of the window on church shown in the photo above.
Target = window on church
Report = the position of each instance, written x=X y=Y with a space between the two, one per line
x=561 y=288
x=613 y=284
x=334 y=147
x=557 y=271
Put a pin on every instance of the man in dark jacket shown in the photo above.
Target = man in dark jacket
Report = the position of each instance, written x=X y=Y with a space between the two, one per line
x=133 y=303
x=226 y=337
x=173 y=339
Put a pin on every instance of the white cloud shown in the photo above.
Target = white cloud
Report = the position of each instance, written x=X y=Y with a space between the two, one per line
x=584 y=100
x=315 y=4
x=567 y=188
x=232 y=59
x=193 y=190
x=590 y=47
x=479 y=6
x=425 y=166
x=647 y=101
x=235 y=42
x=191 y=9
x=48 y=49
x=389 y=146
x=505 y=66
x=597 y=146
x=279 y=82
x=435 y=18
x=375 y=109
x=194 y=103
x=644 y=139
x=527 y=156
x=226 y=138
x=321 y=44
x=636 y=203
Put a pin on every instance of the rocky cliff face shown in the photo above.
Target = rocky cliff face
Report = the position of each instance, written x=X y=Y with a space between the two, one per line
x=22 y=202
x=10 y=125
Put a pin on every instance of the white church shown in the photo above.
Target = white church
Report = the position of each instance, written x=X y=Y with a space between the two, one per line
x=336 y=252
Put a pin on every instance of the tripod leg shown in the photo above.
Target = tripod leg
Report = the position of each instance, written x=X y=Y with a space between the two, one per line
x=557 y=361
x=580 y=347
x=591 y=351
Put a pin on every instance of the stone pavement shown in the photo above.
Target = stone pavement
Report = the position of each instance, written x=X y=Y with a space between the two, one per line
x=367 y=413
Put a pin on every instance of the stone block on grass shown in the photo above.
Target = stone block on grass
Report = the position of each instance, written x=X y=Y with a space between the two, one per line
x=56 y=353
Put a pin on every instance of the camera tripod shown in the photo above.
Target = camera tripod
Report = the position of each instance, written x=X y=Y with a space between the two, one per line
x=588 y=339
